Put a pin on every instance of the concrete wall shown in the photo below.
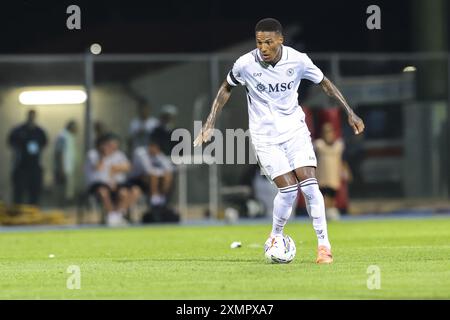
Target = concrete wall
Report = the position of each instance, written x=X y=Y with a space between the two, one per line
x=51 y=118
x=110 y=105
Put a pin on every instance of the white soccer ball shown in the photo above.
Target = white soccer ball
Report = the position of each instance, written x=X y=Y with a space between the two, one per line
x=280 y=249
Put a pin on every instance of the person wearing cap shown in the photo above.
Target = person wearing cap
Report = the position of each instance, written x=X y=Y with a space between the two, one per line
x=141 y=127
x=163 y=131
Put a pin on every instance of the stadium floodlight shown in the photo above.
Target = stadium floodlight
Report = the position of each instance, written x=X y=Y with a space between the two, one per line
x=96 y=48
x=409 y=69
x=45 y=97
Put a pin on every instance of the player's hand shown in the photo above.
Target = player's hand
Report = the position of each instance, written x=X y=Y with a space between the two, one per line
x=205 y=134
x=356 y=123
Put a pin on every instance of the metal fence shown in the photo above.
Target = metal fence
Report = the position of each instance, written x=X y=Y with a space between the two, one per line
x=403 y=98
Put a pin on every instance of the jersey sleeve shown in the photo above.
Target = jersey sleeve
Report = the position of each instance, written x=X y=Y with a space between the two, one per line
x=311 y=71
x=235 y=76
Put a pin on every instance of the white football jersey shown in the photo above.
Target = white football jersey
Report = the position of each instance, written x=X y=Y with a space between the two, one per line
x=274 y=113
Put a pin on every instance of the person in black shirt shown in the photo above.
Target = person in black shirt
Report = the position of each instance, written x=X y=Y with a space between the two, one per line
x=27 y=142
x=163 y=132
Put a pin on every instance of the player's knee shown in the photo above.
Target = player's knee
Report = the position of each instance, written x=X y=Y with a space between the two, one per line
x=287 y=195
x=305 y=173
x=103 y=193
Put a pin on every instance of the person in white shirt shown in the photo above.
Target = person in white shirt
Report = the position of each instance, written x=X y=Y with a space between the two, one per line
x=271 y=75
x=141 y=127
x=105 y=170
x=152 y=173
x=66 y=156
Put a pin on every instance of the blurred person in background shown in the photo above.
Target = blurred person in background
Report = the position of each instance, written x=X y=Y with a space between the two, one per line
x=163 y=131
x=141 y=127
x=27 y=142
x=261 y=188
x=151 y=174
x=264 y=191
x=105 y=168
x=65 y=157
x=330 y=167
x=98 y=129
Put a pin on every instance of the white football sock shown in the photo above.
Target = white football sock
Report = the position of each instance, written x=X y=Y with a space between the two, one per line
x=282 y=208
x=316 y=209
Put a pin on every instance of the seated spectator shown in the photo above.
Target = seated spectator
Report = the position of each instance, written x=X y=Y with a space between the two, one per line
x=152 y=174
x=106 y=167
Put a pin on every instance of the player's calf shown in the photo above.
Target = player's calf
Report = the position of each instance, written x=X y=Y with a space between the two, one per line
x=282 y=208
x=316 y=209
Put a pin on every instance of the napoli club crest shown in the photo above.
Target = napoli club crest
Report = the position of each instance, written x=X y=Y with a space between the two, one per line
x=261 y=87
x=290 y=72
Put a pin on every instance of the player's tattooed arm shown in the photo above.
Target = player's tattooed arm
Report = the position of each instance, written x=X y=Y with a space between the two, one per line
x=332 y=91
x=222 y=97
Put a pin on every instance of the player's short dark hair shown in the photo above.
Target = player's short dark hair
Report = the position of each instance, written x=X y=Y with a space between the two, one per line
x=270 y=25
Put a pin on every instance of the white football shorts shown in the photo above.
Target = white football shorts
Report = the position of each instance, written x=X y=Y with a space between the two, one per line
x=278 y=159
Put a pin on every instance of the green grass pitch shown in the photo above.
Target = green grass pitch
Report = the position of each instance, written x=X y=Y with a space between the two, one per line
x=196 y=262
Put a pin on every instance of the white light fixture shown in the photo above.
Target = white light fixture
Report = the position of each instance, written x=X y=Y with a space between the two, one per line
x=409 y=69
x=96 y=48
x=44 y=97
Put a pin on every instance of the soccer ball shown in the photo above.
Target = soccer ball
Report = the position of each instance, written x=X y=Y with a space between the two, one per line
x=280 y=249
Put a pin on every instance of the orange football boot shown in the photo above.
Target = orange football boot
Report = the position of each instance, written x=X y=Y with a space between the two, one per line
x=324 y=255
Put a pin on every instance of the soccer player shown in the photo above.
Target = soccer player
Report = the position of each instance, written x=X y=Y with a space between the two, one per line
x=271 y=75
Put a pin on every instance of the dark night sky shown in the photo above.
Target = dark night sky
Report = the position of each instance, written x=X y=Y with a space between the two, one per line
x=28 y=26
